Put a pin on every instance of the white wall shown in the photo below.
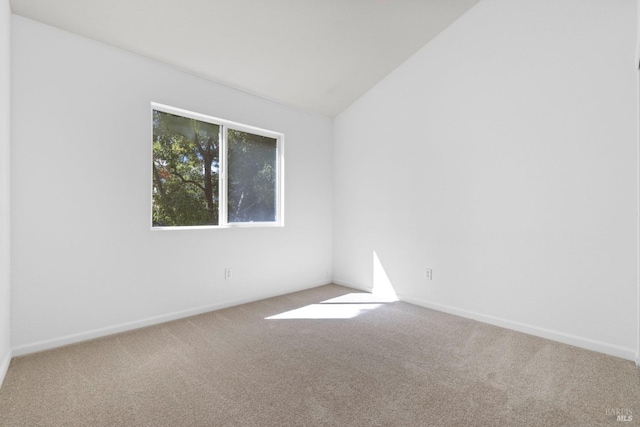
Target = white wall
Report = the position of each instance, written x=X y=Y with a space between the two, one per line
x=84 y=258
x=5 y=230
x=503 y=155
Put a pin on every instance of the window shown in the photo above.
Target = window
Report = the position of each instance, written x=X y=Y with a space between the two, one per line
x=213 y=172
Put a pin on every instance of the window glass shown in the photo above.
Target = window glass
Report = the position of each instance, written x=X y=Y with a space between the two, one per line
x=186 y=165
x=252 y=177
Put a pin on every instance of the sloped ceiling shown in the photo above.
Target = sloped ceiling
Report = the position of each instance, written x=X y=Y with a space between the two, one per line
x=318 y=55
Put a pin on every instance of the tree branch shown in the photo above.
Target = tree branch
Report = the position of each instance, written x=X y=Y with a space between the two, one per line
x=156 y=177
x=187 y=181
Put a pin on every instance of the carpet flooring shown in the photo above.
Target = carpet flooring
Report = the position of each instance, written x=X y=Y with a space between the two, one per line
x=320 y=357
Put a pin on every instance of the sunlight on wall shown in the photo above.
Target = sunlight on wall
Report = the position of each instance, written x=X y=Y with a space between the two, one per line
x=382 y=286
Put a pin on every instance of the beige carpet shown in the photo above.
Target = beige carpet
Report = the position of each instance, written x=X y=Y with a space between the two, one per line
x=393 y=364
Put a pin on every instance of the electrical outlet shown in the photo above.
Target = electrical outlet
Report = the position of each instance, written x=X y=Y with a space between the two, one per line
x=227 y=274
x=428 y=274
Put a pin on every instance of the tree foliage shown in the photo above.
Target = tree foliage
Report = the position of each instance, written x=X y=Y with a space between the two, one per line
x=185 y=171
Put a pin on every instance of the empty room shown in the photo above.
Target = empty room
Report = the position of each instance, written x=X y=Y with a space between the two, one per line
x=331 y=213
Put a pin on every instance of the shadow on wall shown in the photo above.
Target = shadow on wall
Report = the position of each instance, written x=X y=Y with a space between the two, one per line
x=350 y=305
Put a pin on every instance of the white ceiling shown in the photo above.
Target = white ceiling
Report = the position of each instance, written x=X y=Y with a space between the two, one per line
x=318 y=55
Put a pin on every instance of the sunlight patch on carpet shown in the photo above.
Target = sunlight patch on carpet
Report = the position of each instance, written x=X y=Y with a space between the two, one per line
x=326 y=311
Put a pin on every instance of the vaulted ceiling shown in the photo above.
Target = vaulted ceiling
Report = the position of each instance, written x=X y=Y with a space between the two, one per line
x=318 y=55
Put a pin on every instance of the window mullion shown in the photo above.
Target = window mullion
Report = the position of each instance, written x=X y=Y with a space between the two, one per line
x=222 y=205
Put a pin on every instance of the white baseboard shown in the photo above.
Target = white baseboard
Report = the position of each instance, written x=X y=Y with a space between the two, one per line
x=586 y=343
x=574 y=340
x=577 y=341
x=149 y=321
x=4 y=366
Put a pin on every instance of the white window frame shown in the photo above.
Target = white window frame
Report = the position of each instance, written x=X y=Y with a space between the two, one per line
x=222 y=178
